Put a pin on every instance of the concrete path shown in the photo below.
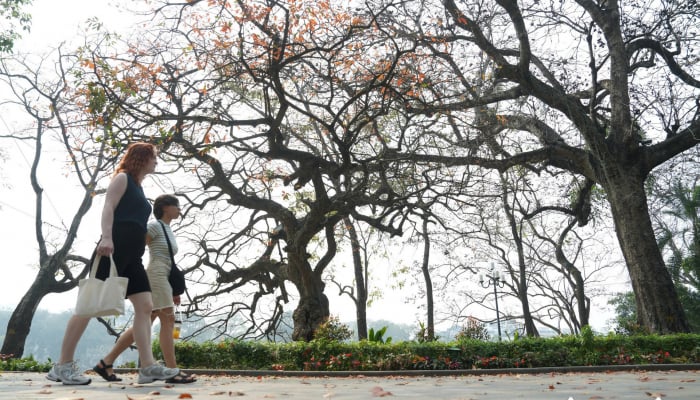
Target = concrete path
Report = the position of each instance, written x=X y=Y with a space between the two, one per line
x=666 y=384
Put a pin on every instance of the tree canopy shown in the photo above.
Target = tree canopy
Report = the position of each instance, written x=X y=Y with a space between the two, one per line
x=15 y=19
x=366 y=105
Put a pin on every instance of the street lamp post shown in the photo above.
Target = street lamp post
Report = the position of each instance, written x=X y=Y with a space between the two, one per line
x=496 y=281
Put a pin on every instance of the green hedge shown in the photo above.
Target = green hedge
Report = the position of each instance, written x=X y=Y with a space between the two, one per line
x=469 y=354
x=324 y=355
x=23 y=364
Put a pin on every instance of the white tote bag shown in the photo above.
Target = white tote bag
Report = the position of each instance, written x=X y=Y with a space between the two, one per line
x=98 y=298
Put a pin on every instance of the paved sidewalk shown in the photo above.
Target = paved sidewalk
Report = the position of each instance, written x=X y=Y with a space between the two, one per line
x=470 y=385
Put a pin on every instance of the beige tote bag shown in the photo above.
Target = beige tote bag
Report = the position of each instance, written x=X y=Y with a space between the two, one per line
x=98 y=298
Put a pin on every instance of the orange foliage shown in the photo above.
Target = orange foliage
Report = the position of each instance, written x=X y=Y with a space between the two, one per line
x=87 y=63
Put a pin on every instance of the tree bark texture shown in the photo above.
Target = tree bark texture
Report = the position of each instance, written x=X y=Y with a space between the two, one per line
x=19 y=325
x=425 y=268
x=313 y=308
x=658 y=306
x=311 y=312
x=360 y=280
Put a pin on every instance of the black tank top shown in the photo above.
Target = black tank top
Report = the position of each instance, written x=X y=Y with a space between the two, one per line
x=133 y=206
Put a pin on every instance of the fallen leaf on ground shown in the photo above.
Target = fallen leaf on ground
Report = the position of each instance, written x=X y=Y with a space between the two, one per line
x=184 y=396
x=379 y=392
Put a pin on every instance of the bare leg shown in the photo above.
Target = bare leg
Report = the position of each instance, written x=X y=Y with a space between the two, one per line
x=123 y=342
x=74 y=331
x=167 y=344
x=143 y=305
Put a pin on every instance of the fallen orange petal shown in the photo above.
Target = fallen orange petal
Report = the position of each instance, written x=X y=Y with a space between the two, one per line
x=379 y=392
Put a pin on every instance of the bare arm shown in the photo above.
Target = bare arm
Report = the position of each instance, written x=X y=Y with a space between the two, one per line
x=115 y=191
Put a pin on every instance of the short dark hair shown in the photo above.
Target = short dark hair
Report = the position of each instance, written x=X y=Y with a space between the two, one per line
x=162 y=201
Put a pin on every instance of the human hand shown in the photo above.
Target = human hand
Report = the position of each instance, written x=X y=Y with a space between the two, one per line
x=105 y=247
x=176 y=300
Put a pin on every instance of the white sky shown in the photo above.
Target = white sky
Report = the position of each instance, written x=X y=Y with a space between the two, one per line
x=53 y=22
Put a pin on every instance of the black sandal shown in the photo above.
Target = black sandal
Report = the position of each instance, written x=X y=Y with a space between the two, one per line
x=102 y=371
x=182 y=378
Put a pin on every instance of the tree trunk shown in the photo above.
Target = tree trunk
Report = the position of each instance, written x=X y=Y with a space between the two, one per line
x=311 y=312
x=528 y=321
x=522 y=278
x=428 y=283
x=575 y=278
x=313 y=308
x=658 y=308
x=360 y=281
x=583 y=303
x=19 y=325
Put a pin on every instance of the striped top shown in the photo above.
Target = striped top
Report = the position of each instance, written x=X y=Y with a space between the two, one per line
x=158 y=248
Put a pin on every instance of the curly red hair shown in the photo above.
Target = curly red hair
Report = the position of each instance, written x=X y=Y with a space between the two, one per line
x=136 y=157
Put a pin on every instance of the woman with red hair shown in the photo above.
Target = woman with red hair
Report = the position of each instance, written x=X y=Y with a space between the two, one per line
x=124 y=218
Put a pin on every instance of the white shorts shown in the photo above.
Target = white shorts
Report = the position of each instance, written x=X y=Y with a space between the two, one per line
x=161 y=291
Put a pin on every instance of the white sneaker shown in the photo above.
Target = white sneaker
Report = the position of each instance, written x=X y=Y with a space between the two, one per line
x=67 y=373
x=156 y=372
x=53 y=375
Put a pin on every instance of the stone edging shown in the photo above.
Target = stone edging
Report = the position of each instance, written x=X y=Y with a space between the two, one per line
x=458 y=372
